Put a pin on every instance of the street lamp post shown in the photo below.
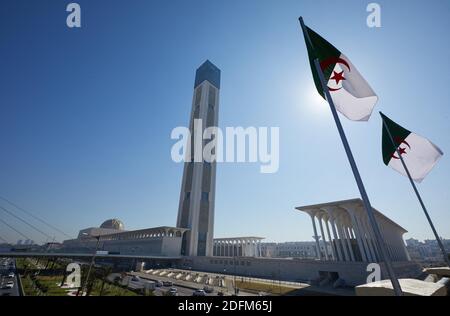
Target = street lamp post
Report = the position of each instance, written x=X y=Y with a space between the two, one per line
x=92 y=263
x=234 y=277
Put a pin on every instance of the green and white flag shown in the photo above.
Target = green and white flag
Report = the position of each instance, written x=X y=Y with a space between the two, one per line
x=419 y=154
x=351 y=93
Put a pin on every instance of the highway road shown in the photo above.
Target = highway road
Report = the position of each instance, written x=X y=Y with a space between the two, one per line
x=7 y=266
x=184 y=288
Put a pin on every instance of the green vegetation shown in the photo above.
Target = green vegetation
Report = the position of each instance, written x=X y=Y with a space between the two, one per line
x=41 y=283
x=28 y=287
x=110 y=290
x=271 y=288
x=20 y=263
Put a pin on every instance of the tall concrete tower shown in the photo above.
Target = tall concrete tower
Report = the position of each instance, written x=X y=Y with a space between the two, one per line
x=196 y=208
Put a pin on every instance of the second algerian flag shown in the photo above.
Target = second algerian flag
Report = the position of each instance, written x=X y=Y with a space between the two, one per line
x=351 y=93
x=419 y=154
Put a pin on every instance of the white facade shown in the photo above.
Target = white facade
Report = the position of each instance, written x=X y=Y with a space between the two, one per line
x=297 y=270
x=159 y=241
x=293 y=249
x=196 y=205
x=237 y=247
x=345 y=225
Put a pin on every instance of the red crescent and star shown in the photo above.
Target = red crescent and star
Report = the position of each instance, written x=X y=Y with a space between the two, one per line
x=337 y=76
x=401 y=150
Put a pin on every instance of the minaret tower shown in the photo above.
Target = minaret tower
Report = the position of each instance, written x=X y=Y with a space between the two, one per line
x=196 y=207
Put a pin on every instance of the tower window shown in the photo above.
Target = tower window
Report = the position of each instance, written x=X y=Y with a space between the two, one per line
x=198 y=95
x=212 y=96
x=197 y=111
x=188 y=195
x=205 y=196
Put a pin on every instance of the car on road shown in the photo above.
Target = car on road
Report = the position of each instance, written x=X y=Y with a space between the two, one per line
x=168 y=283
x=219 y=293
x=9 y=285
x=208 y=289
x=158 y=284
x=172 y=292
x=11 y=275
x=199 y=292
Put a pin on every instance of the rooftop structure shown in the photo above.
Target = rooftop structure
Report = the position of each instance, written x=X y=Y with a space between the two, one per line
x=348 y=230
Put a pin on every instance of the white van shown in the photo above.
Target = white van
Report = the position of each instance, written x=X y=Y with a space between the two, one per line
x=136 y=283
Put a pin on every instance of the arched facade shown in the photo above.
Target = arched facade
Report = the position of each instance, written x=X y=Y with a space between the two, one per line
x=237 y=247
x=344 y=225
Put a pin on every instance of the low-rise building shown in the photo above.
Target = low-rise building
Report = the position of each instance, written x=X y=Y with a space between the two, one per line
x=111 y=236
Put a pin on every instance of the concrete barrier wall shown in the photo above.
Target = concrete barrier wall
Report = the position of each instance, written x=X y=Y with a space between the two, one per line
x=354 y=273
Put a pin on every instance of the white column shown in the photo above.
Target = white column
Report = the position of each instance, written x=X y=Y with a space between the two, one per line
x=357 y=233
x=362 y=230
x=324 y=241
x=315 y=236
x=349 y=242
x=343 y=235
x=342 y=239
x=405 y=251
x=333 y=254
x=374 y=243
x=370 y=237
x=336 y=240
x=333 y=213
x=369 y=240
x=388 y=239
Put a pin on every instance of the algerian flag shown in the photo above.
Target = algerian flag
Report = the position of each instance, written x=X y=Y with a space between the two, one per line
x=351 y=93
x=419 y=154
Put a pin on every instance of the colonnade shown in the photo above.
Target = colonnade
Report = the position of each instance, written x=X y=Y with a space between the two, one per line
x=344 y=226
x=237 y=247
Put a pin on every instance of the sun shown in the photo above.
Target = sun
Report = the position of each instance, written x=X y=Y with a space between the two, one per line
x=314 y=101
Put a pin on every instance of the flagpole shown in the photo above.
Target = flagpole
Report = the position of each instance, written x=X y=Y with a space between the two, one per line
x=380 y=243
x=438 y=239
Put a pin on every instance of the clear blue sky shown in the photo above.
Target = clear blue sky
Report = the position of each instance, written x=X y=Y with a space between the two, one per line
x=86 y=114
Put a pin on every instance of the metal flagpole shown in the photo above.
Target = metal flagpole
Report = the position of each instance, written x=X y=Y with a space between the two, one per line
x=438 y=239
x=380 y=243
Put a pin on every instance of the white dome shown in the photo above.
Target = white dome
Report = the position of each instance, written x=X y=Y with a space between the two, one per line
x=113 y=224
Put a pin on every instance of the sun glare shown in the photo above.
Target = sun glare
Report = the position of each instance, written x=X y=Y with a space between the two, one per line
x=310 y=100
